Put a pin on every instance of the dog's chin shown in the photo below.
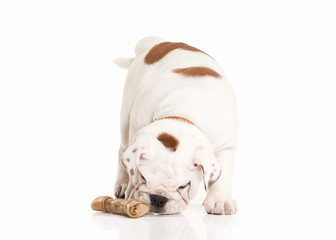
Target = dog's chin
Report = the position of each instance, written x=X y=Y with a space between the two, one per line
x=156 y=210
x=165 y=211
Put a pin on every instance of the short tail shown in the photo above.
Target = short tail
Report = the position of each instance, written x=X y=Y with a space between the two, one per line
x=143 y=45
x=123 y=62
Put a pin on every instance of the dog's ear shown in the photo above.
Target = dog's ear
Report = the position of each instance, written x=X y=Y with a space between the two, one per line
x=206 y=160
x=132 y=155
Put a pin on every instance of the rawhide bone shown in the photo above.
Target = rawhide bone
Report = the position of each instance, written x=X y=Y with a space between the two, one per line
x=132 y=208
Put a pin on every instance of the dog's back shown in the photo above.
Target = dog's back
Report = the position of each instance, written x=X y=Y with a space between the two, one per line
x=175 y=79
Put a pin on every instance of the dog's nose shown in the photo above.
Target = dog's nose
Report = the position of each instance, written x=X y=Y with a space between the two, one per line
x=158 y=200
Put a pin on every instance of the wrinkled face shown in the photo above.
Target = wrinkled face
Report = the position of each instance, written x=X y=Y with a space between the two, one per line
x=165 y=196
x=166 y=171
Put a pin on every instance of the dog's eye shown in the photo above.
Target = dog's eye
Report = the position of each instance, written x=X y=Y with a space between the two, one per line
x=184 y=186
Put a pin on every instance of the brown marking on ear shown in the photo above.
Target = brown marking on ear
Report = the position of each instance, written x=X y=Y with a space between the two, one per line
x=134 y=150
x=132 y=171
x=122 y=163
x=162 y=49
x=210 y=184
x=197 y=72
x=212 y=181
x=168 y=141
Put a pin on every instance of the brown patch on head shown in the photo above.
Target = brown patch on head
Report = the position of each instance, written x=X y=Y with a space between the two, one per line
x=197 y=72
x=168 y=141
x=162 y=49
x=127 y=159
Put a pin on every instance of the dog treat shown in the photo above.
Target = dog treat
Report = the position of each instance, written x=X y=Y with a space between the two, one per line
x=132 y=207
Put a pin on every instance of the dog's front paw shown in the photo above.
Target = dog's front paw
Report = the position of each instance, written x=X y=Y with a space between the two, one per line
x=120 y=189
x=220 y=205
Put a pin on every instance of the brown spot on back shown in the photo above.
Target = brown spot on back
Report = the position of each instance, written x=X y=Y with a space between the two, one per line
x=134 y=150
x=162 y=49
x=197 y=72
x=127 y=159
x=168 y=141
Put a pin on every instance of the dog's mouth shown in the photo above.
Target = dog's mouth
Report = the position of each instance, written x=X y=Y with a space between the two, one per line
x=157 y=202
x=160 y=202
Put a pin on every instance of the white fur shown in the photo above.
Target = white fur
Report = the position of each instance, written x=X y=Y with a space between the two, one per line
x=153 y=92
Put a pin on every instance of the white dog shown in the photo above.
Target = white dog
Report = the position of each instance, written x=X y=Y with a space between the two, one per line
x=178 y=127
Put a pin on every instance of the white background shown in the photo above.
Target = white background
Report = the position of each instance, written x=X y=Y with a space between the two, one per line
x=60 y=99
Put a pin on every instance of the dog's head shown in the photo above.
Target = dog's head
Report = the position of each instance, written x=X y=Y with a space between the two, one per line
x=167 y=167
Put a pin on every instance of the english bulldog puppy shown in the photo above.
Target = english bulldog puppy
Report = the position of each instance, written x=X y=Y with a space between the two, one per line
x=178 y=128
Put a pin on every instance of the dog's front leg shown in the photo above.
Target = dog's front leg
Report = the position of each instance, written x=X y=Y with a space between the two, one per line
x=219 y=197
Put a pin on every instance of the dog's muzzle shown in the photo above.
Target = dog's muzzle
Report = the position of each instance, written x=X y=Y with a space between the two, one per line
x=158 y=201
